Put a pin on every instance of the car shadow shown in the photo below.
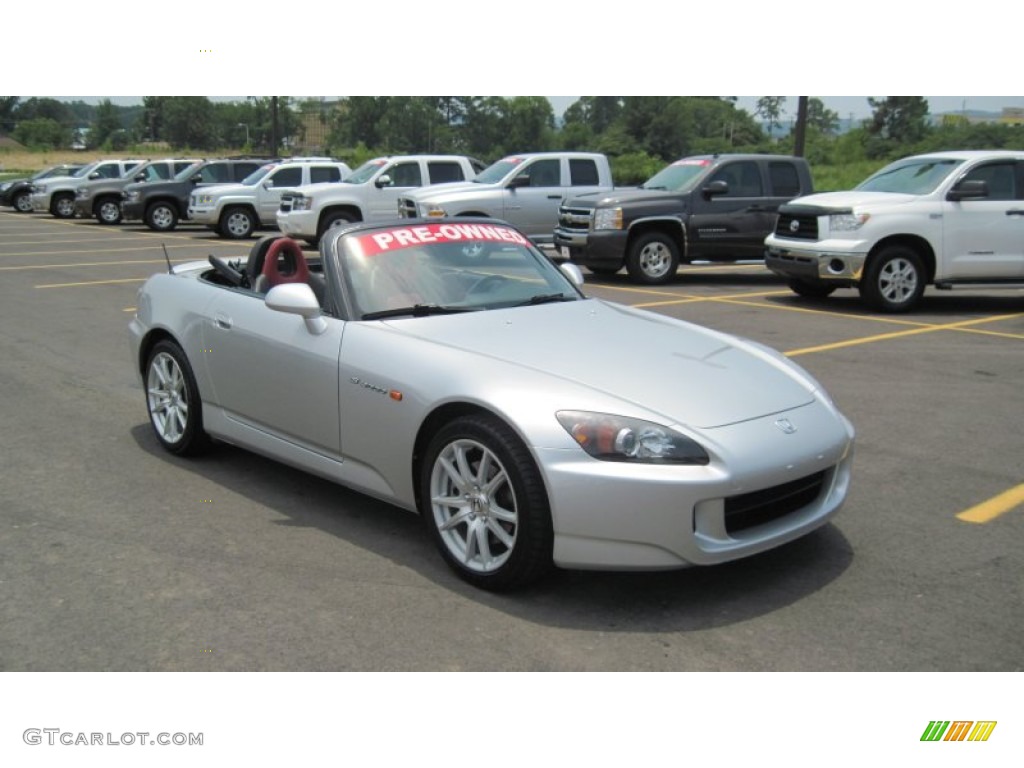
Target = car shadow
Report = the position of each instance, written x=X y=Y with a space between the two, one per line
x=685 y=600
x=933 y=304
x=697 y=276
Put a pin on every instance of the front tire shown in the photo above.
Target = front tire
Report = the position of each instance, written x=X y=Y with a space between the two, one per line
x=894 y=280
x=484 y=503
x=22 y=202
x=172 y=399
x=161 y=217
x=108 y=211
x=237 y=223
x=653 y=259
x=63 y=206
x=336 y=219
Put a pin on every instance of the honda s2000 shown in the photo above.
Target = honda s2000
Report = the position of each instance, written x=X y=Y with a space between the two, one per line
x=452 y=369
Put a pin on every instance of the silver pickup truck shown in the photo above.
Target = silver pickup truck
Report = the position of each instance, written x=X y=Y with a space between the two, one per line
x=524 y=190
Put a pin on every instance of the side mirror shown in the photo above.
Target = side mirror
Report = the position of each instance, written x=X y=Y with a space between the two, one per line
x=967 y=190
x=574 y=273
x=384 y=180
x=297 y=299
x=715 y=188
x=140 y=177
x=519 y=181
x=95 y=175
x=268 y=184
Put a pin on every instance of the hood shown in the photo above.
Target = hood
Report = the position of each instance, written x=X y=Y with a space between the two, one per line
x=618 y=195
x=852 y=199
x=688 y=374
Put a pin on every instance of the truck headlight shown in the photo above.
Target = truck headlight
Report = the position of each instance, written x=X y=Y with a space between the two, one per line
x=133 y=196
x=203 y=199
x=608 y=218
x=82 y=193
x=40 y=188
x=432 y=211
x=620 y=438
x=302 y=203
x=847 y=222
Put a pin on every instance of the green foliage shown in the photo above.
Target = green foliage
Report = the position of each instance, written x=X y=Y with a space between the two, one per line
x=42 y=133
x=634 y=168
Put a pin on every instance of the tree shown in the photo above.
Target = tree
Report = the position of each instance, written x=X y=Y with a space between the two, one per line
x=821 y=118
x=769 y=109
x=42 y=133
x=903 y=119
x=8 y=107
x=106 y=123
x=188 y=122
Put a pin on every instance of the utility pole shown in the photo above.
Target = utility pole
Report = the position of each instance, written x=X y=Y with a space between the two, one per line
x=801 y=126
x=274 y=133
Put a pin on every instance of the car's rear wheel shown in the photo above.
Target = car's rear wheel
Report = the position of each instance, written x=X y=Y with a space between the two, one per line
x=811 y=290
x=237 y=223
x=161 y=217
x=653 y=259
x=485 y=505
x=63 y=206
x=108 y=211
x=22 y=202
x=172 y=399
x=894 y=279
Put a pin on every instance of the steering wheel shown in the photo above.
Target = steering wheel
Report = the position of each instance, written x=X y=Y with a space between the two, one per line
x=228 y=272
x=486 y=284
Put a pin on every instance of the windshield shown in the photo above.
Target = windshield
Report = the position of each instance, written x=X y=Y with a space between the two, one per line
x=364 y=172
x=917 y=176
x=183 y=175
x=60 y=170
x=498 y=171
x=254 y=178
x=445 y=268
x=679 y=176
x=85 y=170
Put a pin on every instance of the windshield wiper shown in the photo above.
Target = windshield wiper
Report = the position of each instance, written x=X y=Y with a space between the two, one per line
x=545 y=298
x=418 y=310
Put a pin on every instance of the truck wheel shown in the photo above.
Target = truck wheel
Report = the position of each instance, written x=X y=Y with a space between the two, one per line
x=63 y=206
x=894 y=279
x=811 y=290
x=237 y=223
x=108 y=211
x=335 y=219
x=653 y=259
x=161 y=217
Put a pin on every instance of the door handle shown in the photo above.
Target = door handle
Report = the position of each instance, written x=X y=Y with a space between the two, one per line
x=222 y=321
x=555 y=197
x=1015 y=212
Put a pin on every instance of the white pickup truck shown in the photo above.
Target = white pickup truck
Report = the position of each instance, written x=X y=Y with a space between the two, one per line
x=370 y=193
x=948 y=219
x=524 y=190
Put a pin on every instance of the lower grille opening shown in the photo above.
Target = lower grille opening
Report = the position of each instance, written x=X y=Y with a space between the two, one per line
x=759 y=507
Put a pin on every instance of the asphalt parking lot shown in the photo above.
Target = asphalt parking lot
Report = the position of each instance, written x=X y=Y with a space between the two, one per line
x=116 y=556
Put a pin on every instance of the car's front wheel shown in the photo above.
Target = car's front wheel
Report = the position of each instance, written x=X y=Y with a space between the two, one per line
x=63 y=206
x=161 y=217
x=653 y=259
x=108 y=211
x=172 y=399
x=237 y=223
x=485 y=505
x=894 y=279
x=22 y=202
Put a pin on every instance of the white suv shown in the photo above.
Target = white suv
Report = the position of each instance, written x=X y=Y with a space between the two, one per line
x=369 y=194
x=951 y=219
x=237 y=210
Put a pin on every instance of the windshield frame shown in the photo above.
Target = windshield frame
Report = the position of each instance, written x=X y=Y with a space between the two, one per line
x=673 y=177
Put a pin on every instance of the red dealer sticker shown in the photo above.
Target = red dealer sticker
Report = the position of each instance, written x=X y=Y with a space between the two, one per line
x=692 y=162
x=429 y=234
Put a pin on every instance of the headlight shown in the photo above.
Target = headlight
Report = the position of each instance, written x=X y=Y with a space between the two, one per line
x=6 y=185
x=132 y=196
x=432 y=211
x=847 y=222
x=302 y=203
x=619 y=438
x=203 y=199
x=39 y=188
x=608 y=218
x=82 y=193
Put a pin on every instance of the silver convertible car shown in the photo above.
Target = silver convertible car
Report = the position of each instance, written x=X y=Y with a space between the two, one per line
x=454 y=370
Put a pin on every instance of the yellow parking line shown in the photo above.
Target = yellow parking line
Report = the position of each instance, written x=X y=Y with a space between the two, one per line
x=48 y=240
x=689 y=299
x=899 y=334
x=826 y=313
x=994 y=507
x=95 y=282
x=92 y=264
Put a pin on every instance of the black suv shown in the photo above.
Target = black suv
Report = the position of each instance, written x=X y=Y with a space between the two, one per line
x=162 y=204
x=703 y=208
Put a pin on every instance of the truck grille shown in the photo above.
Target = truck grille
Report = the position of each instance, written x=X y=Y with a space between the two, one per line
x=797 y=227
x=758 y=507
x=406 y=208
x=574 y=219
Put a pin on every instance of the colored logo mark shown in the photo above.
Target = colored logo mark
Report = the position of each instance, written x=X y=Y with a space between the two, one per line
x=959 y=730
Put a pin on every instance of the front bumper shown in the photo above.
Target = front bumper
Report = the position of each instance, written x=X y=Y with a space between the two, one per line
x=834 y=261
x=83 y=207
x=299 y=224
x=623 y=516
x=598 y=248
x=132 y=211
x=203 y=215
